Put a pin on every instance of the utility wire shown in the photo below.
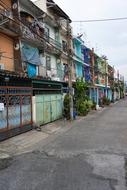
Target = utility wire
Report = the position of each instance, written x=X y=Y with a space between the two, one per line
x=18 y=22
x=101 y=20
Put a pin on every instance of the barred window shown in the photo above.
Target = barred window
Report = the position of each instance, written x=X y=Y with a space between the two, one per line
x=48 y=63
x=64 y=45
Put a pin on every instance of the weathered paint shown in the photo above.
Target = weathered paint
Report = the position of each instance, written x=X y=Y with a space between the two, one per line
x=14 y=116
x=6 y=46
x=94 y=94
x=3 y=120
x=17 y=111
x=109 y=94
x=7 y=3
x=78 y=56
x=59 y=104
x=78 y=68
x=26 y=114
x=41 y=4
x=47 y=108
x=53 y=108
x=101 y=92
x=86 y=64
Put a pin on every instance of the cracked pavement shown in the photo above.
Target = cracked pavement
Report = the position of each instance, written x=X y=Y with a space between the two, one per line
x=91 y=154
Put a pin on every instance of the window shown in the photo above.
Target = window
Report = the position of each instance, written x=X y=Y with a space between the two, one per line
x=57 y=35
x=47 y=33
x=64 y=45
x=48 y=63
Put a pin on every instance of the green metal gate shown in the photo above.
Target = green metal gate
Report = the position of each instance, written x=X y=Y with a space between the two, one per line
x=48 y=108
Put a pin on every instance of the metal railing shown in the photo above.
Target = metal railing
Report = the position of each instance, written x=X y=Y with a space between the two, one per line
x=53 y=42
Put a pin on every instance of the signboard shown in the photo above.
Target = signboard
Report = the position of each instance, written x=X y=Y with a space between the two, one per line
x=1 y=106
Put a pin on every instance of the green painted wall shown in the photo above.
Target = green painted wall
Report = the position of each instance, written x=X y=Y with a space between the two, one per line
x=48 y=108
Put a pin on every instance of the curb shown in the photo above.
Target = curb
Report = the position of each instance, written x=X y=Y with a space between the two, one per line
x=4 y=156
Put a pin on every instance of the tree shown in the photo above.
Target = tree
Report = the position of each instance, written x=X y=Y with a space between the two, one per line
x=80 y=89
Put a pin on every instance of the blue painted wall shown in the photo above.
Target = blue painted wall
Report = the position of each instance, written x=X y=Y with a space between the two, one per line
x=77 y=44
x=85 y=52
x=77 y=47
x=78 y=67
x=86 y=65
x=86 y=73
x=109 y=94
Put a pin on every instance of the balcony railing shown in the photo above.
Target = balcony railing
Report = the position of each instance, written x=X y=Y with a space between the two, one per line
x=32 y=33
x=53 y=74
x=53 y=42
x=7 y=24
x=6 y=13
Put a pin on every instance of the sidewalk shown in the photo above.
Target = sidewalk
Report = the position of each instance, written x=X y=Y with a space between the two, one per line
x=27 y=142
x=23 y=142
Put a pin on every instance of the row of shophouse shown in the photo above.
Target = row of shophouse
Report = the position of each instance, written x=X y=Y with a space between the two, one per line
x=37 y=49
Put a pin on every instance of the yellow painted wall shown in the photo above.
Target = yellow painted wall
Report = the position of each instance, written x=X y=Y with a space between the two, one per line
x=6 y=46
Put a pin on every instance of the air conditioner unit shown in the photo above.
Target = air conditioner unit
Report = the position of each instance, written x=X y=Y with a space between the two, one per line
x=1 y=66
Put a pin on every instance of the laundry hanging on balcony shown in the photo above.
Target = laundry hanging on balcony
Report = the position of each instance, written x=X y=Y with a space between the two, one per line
x=30 y=56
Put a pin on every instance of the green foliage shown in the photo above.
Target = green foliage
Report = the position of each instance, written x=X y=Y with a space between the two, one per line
x=94 y=105
x=121 y=87
x=81 y=108
x=80 y=88
x=90 y=104
x=105 y=101
x=67 y=106
x=83 y=105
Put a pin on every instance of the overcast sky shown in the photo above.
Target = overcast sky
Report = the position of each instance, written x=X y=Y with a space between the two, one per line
x=108 y=38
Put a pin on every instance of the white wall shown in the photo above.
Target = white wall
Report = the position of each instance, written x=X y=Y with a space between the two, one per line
x=34 y=109
x=53 y=66
x=41 y=4
x=42 y=67
x=51 y=31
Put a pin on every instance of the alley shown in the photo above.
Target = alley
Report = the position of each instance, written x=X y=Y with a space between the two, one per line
x=89 y=155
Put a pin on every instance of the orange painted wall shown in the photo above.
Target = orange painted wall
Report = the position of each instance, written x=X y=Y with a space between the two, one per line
x=7 y=3
x=6 y=46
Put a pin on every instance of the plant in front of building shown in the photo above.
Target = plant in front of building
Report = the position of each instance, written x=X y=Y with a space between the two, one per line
x=83 y=104
x=93 y=107
x=83 y=107
x=66 y=111
x=80 y=88
x=105 y=101
x=121 y=88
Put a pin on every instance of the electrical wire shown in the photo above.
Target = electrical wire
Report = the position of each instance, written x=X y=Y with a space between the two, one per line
x=20 y=21
x=101 y=20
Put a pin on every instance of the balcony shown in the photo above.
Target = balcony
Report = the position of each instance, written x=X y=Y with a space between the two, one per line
x=33 y=34
x=52 y=74
x=7 y=24
x=53 y=42
x=32 y=37
x=54 y=22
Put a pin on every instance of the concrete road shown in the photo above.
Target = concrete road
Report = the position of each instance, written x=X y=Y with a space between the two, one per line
x=91 y=155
